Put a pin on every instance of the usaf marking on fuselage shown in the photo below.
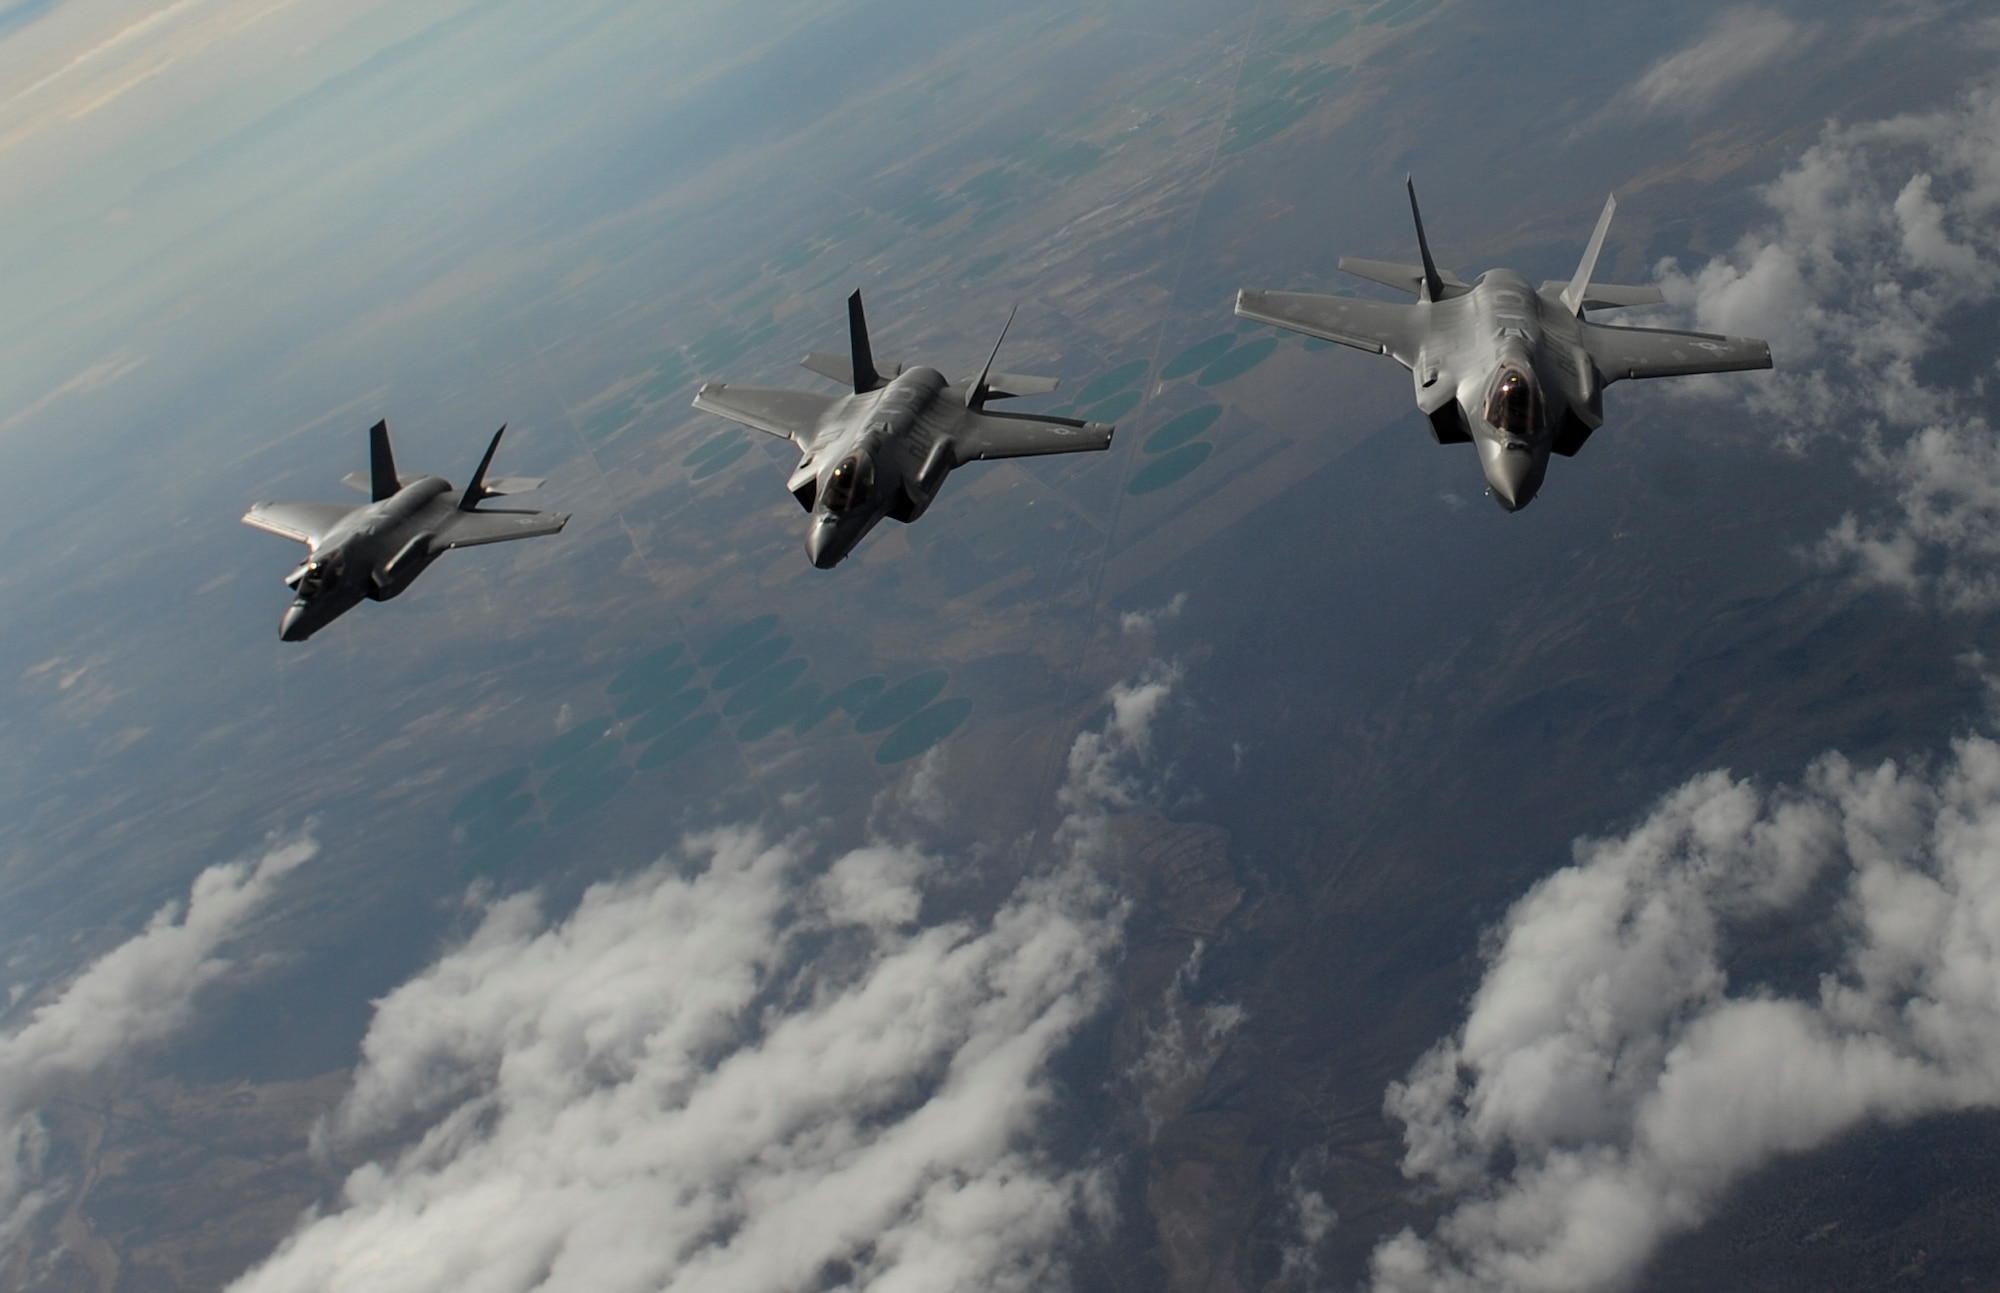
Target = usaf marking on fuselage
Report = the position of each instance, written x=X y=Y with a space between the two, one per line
x=1516 y=371
x=372 y=551
x=886 y=449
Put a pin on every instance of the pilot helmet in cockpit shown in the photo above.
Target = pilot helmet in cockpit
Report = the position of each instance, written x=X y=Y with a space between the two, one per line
x=1510 y=406
x=851 y=482
x=321 y=573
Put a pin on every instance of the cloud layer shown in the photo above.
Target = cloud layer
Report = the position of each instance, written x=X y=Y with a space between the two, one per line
x=134 y=996
x=1610 y=1084
x=1884 y=260
x=738 y=1070
x=1738 y=44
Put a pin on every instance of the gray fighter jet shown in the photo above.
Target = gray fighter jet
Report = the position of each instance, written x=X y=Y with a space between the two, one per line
x=886 y=449
x=1517 y=371
x=375 y=550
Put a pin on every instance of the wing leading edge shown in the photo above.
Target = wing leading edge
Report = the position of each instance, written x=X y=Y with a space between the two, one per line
x=1022 y=435
x=1379 y=327
x=307 y=523
x=1622 y=353
x=794 y=415
x=470 y=529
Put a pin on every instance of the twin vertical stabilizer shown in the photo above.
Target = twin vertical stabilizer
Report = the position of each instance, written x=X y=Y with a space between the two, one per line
x=1433 y=284
x=476 y=489
x=382 y=481
x=863 y=356
x=977 y=396
x=1578 y=290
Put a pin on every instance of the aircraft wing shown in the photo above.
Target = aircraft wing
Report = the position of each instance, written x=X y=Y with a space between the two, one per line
x=306 y=522
x=470 y=529
x=1380 y=327
x=795 y=415
x=1661 y=352
x=1023 y=435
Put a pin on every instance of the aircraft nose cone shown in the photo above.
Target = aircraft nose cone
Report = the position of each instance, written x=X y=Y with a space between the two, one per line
x=821 y=545
x=293 y=627
x=1512 y=479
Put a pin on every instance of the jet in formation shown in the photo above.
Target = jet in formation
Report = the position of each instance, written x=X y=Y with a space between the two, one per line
x=375 y=550
x=885 y=449
x=1514 y=370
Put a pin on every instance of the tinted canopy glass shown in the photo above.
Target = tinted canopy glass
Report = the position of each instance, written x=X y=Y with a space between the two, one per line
x=1511 y=405
x=851 y=482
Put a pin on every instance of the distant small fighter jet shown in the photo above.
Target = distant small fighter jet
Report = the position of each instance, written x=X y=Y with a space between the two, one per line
x=886 y=449
x=377 y=549
x=1519 y=372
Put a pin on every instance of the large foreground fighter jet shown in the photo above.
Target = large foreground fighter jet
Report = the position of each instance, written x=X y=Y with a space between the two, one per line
x=1517 y=371
x=375 y=550
x=886 y=449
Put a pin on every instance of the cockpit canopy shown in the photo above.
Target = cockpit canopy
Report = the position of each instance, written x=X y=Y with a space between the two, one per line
x=850 y=483
x=320 y=574
x=1513 y=404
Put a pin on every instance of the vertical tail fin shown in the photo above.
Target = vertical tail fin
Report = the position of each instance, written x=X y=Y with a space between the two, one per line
x=865 y=377
x=976 y=397
x=382 y=481
x=1579 y=287
x=1433 y=284
x=475 y=490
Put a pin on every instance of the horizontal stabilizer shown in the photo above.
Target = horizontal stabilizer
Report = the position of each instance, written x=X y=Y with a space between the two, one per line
x=1607 y=296
x=364 y=482
x=1404 y=278
x=1013 y=386
x=841 y=367
x=513 y=484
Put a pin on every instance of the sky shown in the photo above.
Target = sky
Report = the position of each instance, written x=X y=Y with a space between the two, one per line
x=778 y=1053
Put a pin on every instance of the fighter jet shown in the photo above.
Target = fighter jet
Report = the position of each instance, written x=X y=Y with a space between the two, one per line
x=886 y=449
x=375 y=550
x=1516 y=371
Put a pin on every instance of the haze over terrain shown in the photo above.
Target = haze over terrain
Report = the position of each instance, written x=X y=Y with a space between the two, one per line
x=1245 y=859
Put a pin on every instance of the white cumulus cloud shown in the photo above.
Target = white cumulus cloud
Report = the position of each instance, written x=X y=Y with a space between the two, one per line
x=134 y=996
x=738 y=1070
x=1610 y=1083
x=1884 y=250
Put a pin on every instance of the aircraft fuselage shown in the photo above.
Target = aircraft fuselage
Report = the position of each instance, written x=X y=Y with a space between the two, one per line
x=371 y=555
x=1505 y=368
x=888 y=457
